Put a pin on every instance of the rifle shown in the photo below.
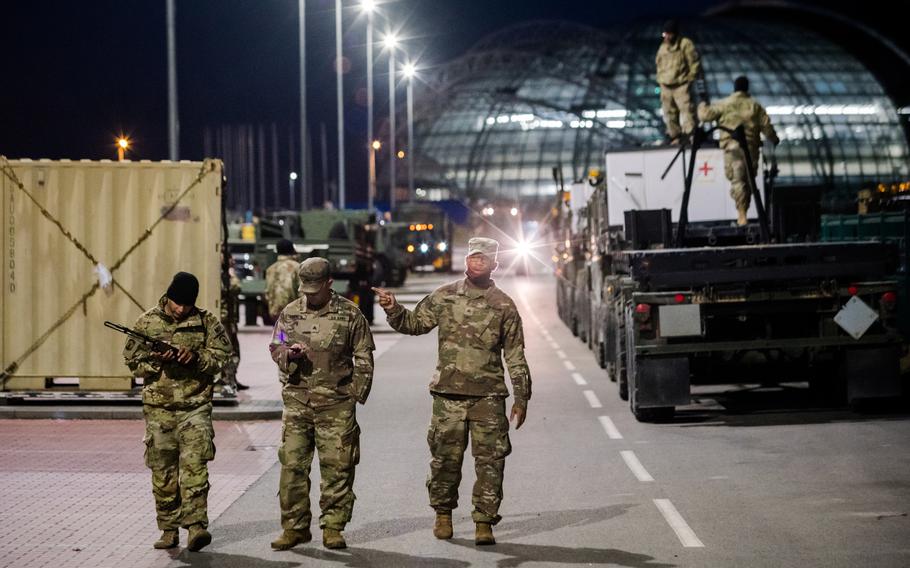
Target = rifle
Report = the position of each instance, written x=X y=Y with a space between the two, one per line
x=156 y=345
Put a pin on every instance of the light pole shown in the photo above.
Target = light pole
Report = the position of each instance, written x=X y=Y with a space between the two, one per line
x=369 y=6
x=291 y=179
x=340 y=104
x=410 y=70
x=173 y=130
x=391 y=42
x=375 y=145
x=301 y=6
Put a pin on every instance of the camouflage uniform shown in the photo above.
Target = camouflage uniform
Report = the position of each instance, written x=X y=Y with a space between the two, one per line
x=229 y=318
x=281 y=283
x=177 y=404
x=319 y=395
x=476 y=327
x=739 y=108
x=678 y=65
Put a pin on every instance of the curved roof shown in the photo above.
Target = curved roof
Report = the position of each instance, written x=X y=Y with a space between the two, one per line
x=495 y=121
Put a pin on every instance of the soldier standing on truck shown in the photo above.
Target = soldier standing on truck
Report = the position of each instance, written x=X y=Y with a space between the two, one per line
x=478 y=323
x=323 y=347
x=281 y=281
x=678 y=65
x=177 y=404
x=740 y=109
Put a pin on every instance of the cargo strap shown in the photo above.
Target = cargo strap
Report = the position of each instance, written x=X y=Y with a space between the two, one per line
x=208 y=166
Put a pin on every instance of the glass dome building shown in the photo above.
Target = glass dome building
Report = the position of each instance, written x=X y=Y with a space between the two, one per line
x=496 y=121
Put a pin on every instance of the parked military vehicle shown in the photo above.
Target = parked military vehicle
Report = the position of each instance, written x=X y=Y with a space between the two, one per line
x=665 y=305
x=345 y=238
x=429 y=239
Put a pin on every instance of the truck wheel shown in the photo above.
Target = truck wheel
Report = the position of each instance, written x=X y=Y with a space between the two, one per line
x=659 y=414
x=251 y=311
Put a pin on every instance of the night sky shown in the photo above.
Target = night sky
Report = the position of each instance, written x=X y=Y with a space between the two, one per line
x=76 y=74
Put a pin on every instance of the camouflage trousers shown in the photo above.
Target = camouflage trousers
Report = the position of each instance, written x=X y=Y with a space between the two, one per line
x=677 y=102
x=736 y=171
x=485 y=419
x=229 y=372
x=178 y=446
x=334 y=433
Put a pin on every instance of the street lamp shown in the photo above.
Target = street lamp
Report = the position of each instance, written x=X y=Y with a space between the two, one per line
x=340 y=103
x=410 y=70
x=123 y=144
x=375 y=145
x=291 y=179
x=391 y=41
x=369 y=6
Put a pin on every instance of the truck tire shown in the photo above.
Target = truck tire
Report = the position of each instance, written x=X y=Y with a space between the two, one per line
x=633 y=374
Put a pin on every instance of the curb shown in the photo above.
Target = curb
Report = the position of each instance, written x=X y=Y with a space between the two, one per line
x=259 y=410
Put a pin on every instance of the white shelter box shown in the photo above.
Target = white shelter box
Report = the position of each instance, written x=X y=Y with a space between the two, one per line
x=633 y=179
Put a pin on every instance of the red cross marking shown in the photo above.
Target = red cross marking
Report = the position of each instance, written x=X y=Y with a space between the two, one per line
x=705 y=169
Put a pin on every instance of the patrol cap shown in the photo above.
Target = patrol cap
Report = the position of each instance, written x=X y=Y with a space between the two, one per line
x=313 y=273
x=671 y=27
x=483 y=245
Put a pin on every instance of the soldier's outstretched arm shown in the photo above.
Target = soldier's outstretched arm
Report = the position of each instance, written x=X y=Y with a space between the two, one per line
x=362 y=347
x=417 y=322
x=216 y=353
x=707 y=113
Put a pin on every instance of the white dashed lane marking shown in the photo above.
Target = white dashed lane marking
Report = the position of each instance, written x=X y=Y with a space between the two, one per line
x=569 y=365
x=592 y=399
x=683 y=531
x=610 y=428
x=561 y=354
x=579 y=380
x=638 y=470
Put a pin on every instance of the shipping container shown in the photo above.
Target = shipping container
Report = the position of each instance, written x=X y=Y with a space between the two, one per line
x=89 y=241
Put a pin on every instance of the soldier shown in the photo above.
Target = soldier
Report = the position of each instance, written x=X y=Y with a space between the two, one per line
x=478 y=324
x=281 y=279
x=731 y=112
x=177 y=404
x=324 y=351
x=678 y=65
x=229 y=318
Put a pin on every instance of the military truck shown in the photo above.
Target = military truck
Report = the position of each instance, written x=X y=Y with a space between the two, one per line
x=700 y=300
x=429 y=239
x=393 y=259
x=345 y=238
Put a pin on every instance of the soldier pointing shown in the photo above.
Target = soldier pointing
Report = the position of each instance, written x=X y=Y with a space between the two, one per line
x=478 y=325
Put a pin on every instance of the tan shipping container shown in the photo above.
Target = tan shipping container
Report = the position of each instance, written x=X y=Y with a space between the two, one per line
x=142 y=221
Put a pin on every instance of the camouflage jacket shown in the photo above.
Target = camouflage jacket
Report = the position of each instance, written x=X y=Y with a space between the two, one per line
x=169 y=384
x=677 y=63
x=476 y=328
x=281 y=283
x=740 y=108
x=340 y=365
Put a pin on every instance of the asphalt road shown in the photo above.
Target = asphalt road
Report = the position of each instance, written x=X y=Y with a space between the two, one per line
x=777 y=485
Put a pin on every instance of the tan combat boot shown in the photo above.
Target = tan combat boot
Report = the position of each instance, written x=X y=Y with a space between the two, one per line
x=442 y=528
x=741 y=219
x=290 y=538
x=169 y=539
x=199 y=538
x=333 y=539
x=483 y=534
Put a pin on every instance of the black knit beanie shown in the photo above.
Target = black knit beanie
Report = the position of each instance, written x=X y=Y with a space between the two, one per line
x=184 y=289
